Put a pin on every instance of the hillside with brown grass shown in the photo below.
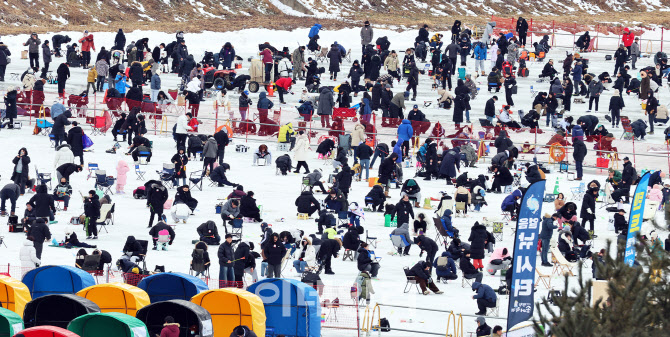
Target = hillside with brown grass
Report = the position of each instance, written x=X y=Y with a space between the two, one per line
x=22 y=16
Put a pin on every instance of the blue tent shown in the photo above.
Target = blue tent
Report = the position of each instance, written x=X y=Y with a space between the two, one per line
x=48 y=280
x=299 y=299
x=172 y=286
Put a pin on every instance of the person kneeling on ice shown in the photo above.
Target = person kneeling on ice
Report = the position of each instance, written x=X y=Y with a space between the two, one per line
x=162 y=234
x=486 y=297
x=219 y=175
x=208 y=233
x=500 y=259
x=421 y=271
x=445 y=267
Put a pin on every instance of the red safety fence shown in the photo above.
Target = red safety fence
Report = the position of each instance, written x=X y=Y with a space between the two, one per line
x=607 y=37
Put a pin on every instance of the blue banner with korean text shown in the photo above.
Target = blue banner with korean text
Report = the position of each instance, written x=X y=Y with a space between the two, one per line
x=521 y=301
x=636 y=217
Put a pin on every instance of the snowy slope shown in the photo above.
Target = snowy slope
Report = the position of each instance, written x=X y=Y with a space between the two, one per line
x=277 y=194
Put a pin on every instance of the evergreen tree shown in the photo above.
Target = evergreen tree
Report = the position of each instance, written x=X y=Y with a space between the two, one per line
x=637 y=302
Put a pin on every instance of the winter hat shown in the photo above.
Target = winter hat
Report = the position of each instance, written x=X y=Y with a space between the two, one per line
x=416 y=106
x=388 y=86
x=481 y=320
x=169 y=319
x=240 y=188
x=246 y=92
x=239 y=331
x=367 y=22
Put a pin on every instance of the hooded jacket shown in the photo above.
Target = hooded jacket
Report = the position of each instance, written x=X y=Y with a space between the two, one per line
x=63 y=155
x=403 y=230
x=484 y=292
x=405 y=131
x=42 y=202
x=478 y=238
x=326 y=102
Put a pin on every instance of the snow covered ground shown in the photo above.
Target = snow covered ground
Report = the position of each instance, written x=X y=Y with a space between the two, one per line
x=277 y=193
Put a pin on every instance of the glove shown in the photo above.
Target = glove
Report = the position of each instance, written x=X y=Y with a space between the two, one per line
x=588 y=210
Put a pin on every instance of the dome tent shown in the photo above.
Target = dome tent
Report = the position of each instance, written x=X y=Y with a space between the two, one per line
x=13 y=294
x=185 y=313
x=116 y=297
x=111 y=324
x=172 y=286
x=300 y=299
x=57 y=310
x=48 y=280
x=10 y=322
x=231 y=307
x=48 y=331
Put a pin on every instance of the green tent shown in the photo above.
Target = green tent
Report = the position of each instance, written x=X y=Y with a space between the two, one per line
x=111 y=324
x=10 y=323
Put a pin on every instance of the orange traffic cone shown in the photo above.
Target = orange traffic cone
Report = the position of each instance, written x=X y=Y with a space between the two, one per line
x=270 y=90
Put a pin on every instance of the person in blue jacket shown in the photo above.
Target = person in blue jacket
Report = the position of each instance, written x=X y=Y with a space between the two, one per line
x=486 y=297
x=366 y=111
x=405 y=132
x=480 y=58
x=446 y=271
x=120 y=83
x=397 y=149
x=446 y=223
x=314 y=31
x=509 y=203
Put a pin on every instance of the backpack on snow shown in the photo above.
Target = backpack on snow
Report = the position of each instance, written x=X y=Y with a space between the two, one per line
x=384 y=325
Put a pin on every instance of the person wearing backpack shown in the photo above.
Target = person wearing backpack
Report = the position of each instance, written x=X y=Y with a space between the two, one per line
x=158 y=233
x=200 y=261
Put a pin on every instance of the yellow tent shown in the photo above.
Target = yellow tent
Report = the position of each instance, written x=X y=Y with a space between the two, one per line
x=231 y=307
x=13 y=294
x=116 y=297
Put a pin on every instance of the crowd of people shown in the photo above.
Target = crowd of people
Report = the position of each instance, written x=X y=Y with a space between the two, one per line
x=340 y=217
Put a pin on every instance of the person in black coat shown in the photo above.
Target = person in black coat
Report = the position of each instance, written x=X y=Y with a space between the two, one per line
x=490 y=109
x=568 y=211
x=180 y=159
x=222 y=141
x=208 y=233
x=132 y=247
x=142 y=46
x=92 y=213
x=621 y=224
x=364 y=261
x=307 y=203
x=248 y=207
x=62 y=75
x=468 y=269
x=422 y=272
x=39 y=231
x=478 y=239
x=578 y=233
x=351 y=239
x=579 y=153
x=273 y=253
x=57 y=41
x=403 y=210
x=533 y=173
x=502 y=143
x=136 y=73
x=522 y=29
x=343 y=180
x=157 y=195
x=226 y=256
x=244 y=258
x=387 y=169
x=428 y=245
x=21 y=169
x=155 y=230
x=117 y=130
x=10 y=106
x=119 y=40
x=588 y=212
x=501 y=177
x=329 y=249
x=58 y=129
x=105 y=258
x=43 y=203
x=184 y=196
x=376 y=198
x=74 y=139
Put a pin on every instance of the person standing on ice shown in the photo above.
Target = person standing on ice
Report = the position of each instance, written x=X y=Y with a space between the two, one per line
x=367 y=34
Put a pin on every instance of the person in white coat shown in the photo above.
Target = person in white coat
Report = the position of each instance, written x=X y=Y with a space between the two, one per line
x=223 y=103
x=64 y=155
x=28 y=257
x=306 y=258
x=182 y=129
x=300 y=155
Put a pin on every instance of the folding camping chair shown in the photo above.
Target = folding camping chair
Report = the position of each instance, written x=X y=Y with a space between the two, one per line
x=578 y=192
x=372 y=241
x=498 y=230
x=236 y=230
x=107 y=216
x=561 y=265
x=103 y=182
x=196 y=178
x=494 y=311
x=441 y=232
x=139 y=173
x=411 y=280
x=45 y=126
x=348 y=55
x=305 y=184
x=167 y=174
x=92 y=168
x=533 y=93
x=43 y=178
x=543 y=278
x=399 y=243
x=466 y=282
x=52 y=138
x=142 y=256
x=99 y=126
x=650 y=208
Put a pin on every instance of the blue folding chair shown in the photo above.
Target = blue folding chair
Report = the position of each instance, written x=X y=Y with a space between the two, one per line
x=45 y=126
x=43 y=178
x=103 y=182
x=196 y=179
x=139 y=173
x=167 y=175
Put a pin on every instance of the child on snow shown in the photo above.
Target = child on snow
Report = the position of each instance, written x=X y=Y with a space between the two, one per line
x=121 y=172
x=355 y=214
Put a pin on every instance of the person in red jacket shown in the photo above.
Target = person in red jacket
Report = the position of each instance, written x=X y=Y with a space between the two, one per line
x=170 y=328
x=86 y=46
x=627 y=38
x=266 y=57
x=284 y=84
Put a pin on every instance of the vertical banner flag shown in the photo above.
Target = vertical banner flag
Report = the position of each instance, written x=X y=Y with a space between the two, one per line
x=521 y=301
x=636 y=217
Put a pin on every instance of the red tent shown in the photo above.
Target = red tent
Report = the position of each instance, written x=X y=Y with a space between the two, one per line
x=47 y=331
